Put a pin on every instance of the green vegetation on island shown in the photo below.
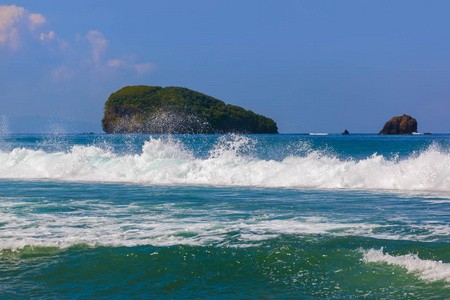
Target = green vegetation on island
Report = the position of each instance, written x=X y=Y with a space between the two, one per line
x=157 y=110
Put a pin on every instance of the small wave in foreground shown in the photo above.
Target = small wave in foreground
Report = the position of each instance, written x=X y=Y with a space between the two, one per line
x=429 y=270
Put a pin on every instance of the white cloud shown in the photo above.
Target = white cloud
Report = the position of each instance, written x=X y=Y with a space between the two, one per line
x=19 y=26
x=9 y=18
x=47 y=37
x=36 y=20
x=9 y=15
x=98 y=44
x=13 y=21
x=51 y=39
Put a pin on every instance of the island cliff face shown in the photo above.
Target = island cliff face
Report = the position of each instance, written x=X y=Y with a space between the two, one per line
x=157 y=110
x=400 y=125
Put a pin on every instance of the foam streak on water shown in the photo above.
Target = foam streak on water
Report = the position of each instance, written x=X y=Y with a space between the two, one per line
x=169 y=162
x=132 y=225
x=62 y=215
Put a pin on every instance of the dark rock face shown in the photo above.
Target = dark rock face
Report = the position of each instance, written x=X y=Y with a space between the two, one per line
x=400 y=125
x=345 y=132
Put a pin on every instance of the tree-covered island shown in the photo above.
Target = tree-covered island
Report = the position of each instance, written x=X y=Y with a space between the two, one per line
x=176 y=110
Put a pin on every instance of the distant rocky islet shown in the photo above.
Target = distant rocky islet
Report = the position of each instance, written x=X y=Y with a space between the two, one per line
x=176 y=110
x=400 y=125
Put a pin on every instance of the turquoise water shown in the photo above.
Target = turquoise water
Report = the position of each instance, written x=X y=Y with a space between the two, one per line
x=264 y=216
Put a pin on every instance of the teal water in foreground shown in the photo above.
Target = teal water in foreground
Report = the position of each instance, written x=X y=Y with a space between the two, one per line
x=269 y=216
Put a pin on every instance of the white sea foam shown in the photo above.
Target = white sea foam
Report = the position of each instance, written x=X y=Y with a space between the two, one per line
x=104 y=223
x=445 y=201
x=429 y=270
x=98 y=223
x=168 y=162
x=110 y=226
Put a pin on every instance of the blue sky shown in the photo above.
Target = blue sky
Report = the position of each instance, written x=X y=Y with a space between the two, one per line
x=312 y=66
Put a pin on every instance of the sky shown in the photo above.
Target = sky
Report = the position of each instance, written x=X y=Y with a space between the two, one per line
x=311 y=66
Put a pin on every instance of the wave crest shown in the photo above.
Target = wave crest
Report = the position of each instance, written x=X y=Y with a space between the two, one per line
x=230 y=162
x=429 y=270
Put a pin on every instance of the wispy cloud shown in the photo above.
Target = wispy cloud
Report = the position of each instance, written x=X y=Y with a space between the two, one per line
x=98 y=44
x=19 y=26
x=140 y=68
x=116 y=63
x=63 y=73
x=48 y=37
x=145 y=68
x=51 y=39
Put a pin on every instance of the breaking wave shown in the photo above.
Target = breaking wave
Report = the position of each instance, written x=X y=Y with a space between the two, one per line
x=230 y=163
x=429 y=270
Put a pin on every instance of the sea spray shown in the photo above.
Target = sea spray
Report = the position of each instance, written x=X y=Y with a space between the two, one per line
x=4 y=133
x=232 y=161
x=4 y=126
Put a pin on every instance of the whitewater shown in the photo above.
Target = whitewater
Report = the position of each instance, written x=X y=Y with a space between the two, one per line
x=231 y=162
x=225 y=216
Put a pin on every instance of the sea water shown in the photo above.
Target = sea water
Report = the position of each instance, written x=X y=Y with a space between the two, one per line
x=225 y=216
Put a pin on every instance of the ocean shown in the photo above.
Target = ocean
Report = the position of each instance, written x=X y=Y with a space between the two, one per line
x=284 y=216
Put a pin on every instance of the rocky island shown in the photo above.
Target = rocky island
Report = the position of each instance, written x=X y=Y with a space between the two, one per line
x=400 y=125
x=176 y=110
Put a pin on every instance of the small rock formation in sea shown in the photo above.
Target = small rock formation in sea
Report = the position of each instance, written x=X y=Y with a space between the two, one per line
x=345 y=132
x=400 y=125
x=176 y=110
